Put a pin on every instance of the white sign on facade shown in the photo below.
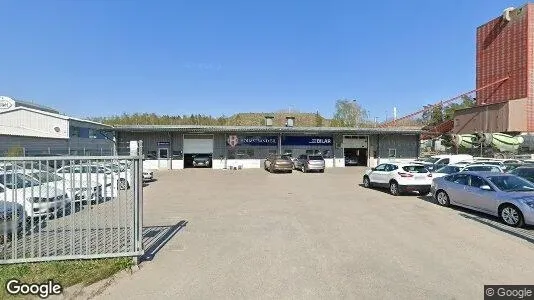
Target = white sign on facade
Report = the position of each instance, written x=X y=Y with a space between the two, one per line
x=6 y=103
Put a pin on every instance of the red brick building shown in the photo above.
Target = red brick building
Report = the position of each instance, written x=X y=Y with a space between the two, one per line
x=504 y=48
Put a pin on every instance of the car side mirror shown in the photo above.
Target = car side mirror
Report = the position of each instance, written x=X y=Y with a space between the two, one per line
x=373 y=169
x=485 y=187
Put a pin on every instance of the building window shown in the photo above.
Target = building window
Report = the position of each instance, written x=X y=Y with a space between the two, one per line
x=74 y=131
x=93 y=134
x=392 y=153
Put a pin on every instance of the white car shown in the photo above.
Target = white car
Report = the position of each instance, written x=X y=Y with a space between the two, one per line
x=38 y=200
x=77 y=190
x=148 y=175
x=111 y=181
x=483 y=168
x=446 y=170
x=399 y=178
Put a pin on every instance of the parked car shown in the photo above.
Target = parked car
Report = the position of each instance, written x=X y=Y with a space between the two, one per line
x=437 y=161
x=525 y=172
x=111 y=180
x=483 y=168
x=509 y=197
x=202 y=160
x=77 y=190
x=497 y=163
x=307 y=163
x=512 y=166
x=11 y=219
x=38 y=200
x=399 y=178
x=148 y=175
x=446 y=170
x=351 y=161
x=276 y=162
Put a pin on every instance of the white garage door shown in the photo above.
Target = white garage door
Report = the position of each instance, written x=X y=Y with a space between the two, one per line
x=198 y=144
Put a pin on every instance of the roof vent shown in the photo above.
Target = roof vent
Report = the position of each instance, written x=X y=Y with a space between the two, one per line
x=269 y=120
x=290 y=121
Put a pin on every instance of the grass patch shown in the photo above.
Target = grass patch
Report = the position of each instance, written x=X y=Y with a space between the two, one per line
x=67 y=273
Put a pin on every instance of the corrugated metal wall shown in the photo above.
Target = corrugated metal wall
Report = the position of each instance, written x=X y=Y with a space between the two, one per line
x=406 y=146
x=501 y=51
x=28 y=123
x=43 y=146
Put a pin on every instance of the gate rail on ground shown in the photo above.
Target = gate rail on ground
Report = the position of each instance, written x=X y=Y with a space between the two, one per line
x=70 y=207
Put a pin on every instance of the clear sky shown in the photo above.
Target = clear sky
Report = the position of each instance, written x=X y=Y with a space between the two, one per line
x=105 y=57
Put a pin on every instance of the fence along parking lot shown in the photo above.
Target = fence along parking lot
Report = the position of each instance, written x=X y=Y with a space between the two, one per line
x=55 y=208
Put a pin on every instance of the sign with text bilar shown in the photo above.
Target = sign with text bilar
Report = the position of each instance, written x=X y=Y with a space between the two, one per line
x=307 y=141
x=234 y=140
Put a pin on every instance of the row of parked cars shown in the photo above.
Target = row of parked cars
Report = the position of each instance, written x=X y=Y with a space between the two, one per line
x=503 y=188
x=30 y=189
x=285 y=163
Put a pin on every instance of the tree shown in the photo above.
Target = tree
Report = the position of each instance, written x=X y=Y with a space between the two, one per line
x=318 y=120
x=349 y=113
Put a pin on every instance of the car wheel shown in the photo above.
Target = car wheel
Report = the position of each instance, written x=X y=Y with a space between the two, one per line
x=321 y=171
x=366 y=182
x=443 y=198
x=394 y=188
x=512 y=216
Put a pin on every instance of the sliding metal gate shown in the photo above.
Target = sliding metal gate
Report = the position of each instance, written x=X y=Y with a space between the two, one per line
x=56 y=208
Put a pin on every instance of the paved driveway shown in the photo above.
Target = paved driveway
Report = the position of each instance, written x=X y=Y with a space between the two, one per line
x=251 y=234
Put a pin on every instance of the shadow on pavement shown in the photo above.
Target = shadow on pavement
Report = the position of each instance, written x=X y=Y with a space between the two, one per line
x=523 y=233
x=155 y=238
x=526 y=233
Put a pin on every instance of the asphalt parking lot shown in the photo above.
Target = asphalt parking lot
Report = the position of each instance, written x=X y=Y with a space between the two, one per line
x=252 y=234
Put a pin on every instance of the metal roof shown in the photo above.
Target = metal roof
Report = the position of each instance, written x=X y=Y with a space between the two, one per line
x=271 y=129
x=53 y=115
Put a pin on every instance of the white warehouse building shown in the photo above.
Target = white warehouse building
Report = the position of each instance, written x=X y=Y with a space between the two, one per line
x=34 y=130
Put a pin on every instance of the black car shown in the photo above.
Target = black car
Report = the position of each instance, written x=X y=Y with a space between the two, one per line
x=526 y=172
x=202 y=160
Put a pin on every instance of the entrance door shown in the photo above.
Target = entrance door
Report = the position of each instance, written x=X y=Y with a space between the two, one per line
x=163 y=158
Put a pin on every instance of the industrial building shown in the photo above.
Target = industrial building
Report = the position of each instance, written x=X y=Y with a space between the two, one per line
x=173 y=147
x=34 y=130
x=504 y=76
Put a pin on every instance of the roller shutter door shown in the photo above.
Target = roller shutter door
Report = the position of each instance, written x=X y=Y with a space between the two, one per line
x=198 y=144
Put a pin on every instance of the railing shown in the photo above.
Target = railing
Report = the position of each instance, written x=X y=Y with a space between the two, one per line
x=72 y=207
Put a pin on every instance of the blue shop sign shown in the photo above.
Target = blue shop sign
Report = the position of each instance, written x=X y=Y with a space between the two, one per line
x=307 y=140
x=234 y=140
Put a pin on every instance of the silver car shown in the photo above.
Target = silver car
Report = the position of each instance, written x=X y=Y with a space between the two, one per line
x=509 y=197
x=307 y=163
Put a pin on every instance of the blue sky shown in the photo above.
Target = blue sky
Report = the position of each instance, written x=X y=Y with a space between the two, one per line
x=105 y=57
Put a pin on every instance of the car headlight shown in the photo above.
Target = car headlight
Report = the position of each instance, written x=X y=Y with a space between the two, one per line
x=530 y=203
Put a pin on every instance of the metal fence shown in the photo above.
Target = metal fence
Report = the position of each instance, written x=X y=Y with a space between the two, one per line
x=72 y=207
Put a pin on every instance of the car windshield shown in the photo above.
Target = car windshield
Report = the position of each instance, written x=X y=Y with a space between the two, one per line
x=285 y=157
x=415 y=169
x=315 y=157
x=448 y=170
x=44 y=177
x=430 y=159
x=17 y=181
x=511 y=184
